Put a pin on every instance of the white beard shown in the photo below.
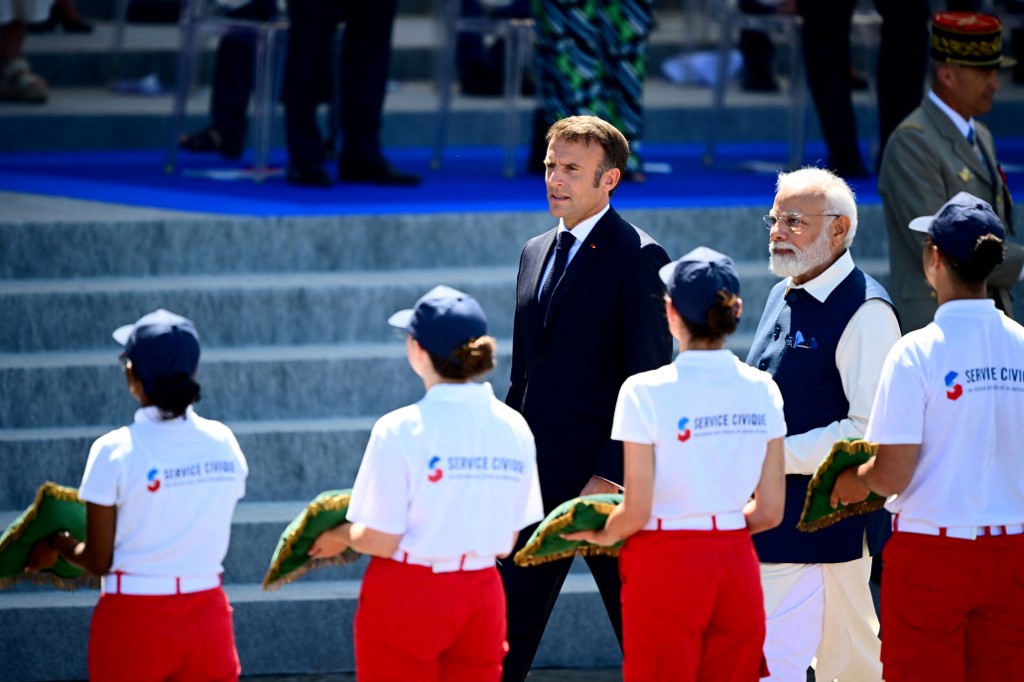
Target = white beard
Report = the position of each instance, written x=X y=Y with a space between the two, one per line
x=797 y=263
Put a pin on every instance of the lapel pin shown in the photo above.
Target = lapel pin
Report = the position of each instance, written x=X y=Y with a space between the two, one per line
x=965 y=175
x=592 y=245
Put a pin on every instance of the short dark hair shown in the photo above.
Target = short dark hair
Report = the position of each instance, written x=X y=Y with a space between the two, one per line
x=471 y=359
x=592 y=128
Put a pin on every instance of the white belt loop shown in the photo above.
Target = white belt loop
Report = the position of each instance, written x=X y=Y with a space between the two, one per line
x=119 y=582
x=464 y=562
x=712 y=522
x=958 y=532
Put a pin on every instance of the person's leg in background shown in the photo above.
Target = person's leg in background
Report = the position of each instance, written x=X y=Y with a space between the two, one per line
x=232 y=86
x=794 y=605
x=826 y=39
x=757 y=50
x=307 y=78
x=364 y=68
x=17 y=81
x=902 y=62
x=530 y=594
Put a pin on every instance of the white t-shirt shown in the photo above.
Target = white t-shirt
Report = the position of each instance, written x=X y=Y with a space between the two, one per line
x=175 y=484
x=454 y=474
x=956 y=387
x=709 y=417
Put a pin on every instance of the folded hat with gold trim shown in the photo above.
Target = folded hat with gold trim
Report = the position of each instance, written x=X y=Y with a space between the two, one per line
x=54 y=508
x=582 y=513
x=969 y=39
x=291 y=561
x=818 y=512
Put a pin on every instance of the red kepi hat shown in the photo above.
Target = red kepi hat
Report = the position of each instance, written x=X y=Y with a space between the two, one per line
x=969 y=39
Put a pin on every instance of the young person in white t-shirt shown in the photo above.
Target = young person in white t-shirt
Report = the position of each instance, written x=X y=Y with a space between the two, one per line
x=948 y=418
x=160 y=495
x=700 y=435
x=444 y=487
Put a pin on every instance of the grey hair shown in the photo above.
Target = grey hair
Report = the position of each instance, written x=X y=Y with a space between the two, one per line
x=839 y=198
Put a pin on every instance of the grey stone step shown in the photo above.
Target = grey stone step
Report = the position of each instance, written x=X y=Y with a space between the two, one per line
x=67 y=247
x=248 y=310
x=240 y=310
x=305 y=627
x=75 y=241
x=247 y=384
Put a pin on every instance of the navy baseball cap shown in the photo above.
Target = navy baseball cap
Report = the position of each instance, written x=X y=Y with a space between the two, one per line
x=443 y=319
x=694 y=281
x=956 y=227
x=160 y=346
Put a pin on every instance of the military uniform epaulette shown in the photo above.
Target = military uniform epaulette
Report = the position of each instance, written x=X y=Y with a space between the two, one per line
x=910 y=126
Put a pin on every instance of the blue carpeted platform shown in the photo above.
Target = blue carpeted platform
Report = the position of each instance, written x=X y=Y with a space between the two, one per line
x=470 y=180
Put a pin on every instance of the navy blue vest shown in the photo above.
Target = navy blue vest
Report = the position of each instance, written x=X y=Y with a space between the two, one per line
x=796 y=343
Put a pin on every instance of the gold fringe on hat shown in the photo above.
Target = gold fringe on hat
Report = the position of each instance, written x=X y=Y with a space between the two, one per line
x=526 y=557
x=59 y=493
x=817 y=512
x=333 y=503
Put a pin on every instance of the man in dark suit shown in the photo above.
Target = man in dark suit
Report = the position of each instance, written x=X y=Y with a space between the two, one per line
x=589 y=313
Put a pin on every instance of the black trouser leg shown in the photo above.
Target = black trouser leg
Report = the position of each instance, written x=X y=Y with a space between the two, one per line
x=365 y=64
x=826 y=38
x=902 y=61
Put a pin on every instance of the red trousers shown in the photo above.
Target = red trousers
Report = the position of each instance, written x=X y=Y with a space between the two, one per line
x=692 y=607
x=178 y=638
x=415 y=625
x=953 y=610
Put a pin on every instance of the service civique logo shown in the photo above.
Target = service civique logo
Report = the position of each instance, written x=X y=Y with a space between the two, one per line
x=153 y=476
x=684 y=433
x=435 y=471
x=953 y=389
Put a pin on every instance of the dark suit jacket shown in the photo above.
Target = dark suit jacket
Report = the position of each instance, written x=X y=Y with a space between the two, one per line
x=606 y=322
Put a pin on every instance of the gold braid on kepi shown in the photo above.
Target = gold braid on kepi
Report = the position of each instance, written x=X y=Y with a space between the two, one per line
x=54 y=508
x=291 y=561
x=818 y=512
x=969 y=39
x=589 y=512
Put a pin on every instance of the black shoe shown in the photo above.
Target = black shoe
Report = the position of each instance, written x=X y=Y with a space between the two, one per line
x=308 y=176
x=210 y=141
x=45 y=26
x=374 y=171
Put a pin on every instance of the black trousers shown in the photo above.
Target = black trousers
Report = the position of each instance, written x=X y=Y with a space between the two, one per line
x=363 y=74
x=902 y=65
x=531 y=593
x=233 y=74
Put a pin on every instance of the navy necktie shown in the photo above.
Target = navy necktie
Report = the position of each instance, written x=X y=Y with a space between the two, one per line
x=565 y=242
x=972 y=139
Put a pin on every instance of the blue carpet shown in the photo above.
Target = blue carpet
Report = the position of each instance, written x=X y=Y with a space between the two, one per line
x=470 y=180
